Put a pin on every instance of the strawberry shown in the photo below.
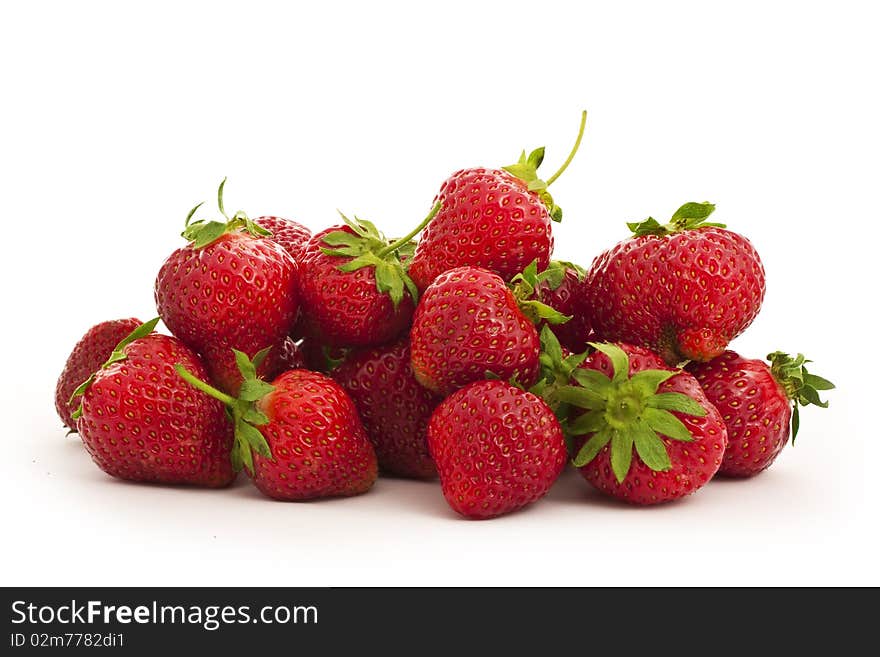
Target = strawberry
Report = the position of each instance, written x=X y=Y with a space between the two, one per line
x=685 y=289
x=290 y=235
x=355 y=290
x=228 y=288
x=561 y=287
x=759 y=404
x=140 y=422
x=394 y=408
x=497 y=448
x=300 y=437
x=498 y=219
x=468 y=323
x=92 y=350
x=634 y=401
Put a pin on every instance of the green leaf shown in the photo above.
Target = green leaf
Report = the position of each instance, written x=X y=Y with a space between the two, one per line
x=237 y=462
x=554 y=274
x=676 y=401
x=580 y=397
x=245 y=365
x=220 y=197
x=692 y=213
x=365 y=260
x=650 y=448
x=591 y=448
x=388 y=280
x=536 y=157
x=410 y=286
x=81 y=388
x=260 y=356
x=593 y=380
x=665 y=423
x=340 y=238
x=589 y=422
x=543 y=311
x=207 y=233
x=191 y=213
x=621 y=454
x=647 y=381
x=252 y=436
x=254 y=389
x=247 y=458
x=617 y=356
x=550 y=345
x=649 y=226
x=817 y=382
x=252 y=416
x=795 y=422
x=142 y=331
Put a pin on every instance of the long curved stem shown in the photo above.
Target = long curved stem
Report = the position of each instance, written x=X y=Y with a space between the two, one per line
x=396 y=244
x=574 y=150
x=197 y=383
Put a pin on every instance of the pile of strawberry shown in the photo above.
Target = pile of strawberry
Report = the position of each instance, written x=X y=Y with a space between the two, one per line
x=315 y=361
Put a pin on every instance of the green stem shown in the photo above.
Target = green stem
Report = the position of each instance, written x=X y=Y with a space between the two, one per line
x=197 y=383
x=574 y=150
x=396 y=244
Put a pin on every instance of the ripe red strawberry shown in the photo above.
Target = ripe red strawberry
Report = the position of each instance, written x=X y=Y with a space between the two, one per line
x=355 y=290
x=87 y=356
x=498 y=219
x=141 y=422
x=561 y=287
x=290 y=235
x=497 y=448
x=634 y=401
x=685 y=289
x=759 y=404
x=228 y=288
x=394 y=408
x=299 y=437
x=468 y=323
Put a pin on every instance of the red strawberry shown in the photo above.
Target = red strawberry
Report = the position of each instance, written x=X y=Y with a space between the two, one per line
x=354 y=288
x=685 y=289
x=228 y=288
x=141 y=422
x=87 y=356
x=394 y=408
x=468 y=323
x=759 y=404
x=636 y=402
x=299 y=437
x=288 y=234
x=498 y=219
x=497 y=448
x=561 y=287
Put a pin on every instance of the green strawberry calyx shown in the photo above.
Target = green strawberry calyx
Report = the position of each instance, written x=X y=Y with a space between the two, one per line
x=366 y=246
x=117 y=355
x=556 y=369
x=626 y=412
x=243 y=410
x=525 y=285
x=201 y=233
x=688 y=217
x=801 y=387
x=526 y=169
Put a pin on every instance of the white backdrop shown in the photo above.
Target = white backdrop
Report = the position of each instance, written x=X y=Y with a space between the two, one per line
x=116 y=120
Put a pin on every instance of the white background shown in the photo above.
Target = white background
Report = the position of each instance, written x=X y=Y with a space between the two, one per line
x=116 y=120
